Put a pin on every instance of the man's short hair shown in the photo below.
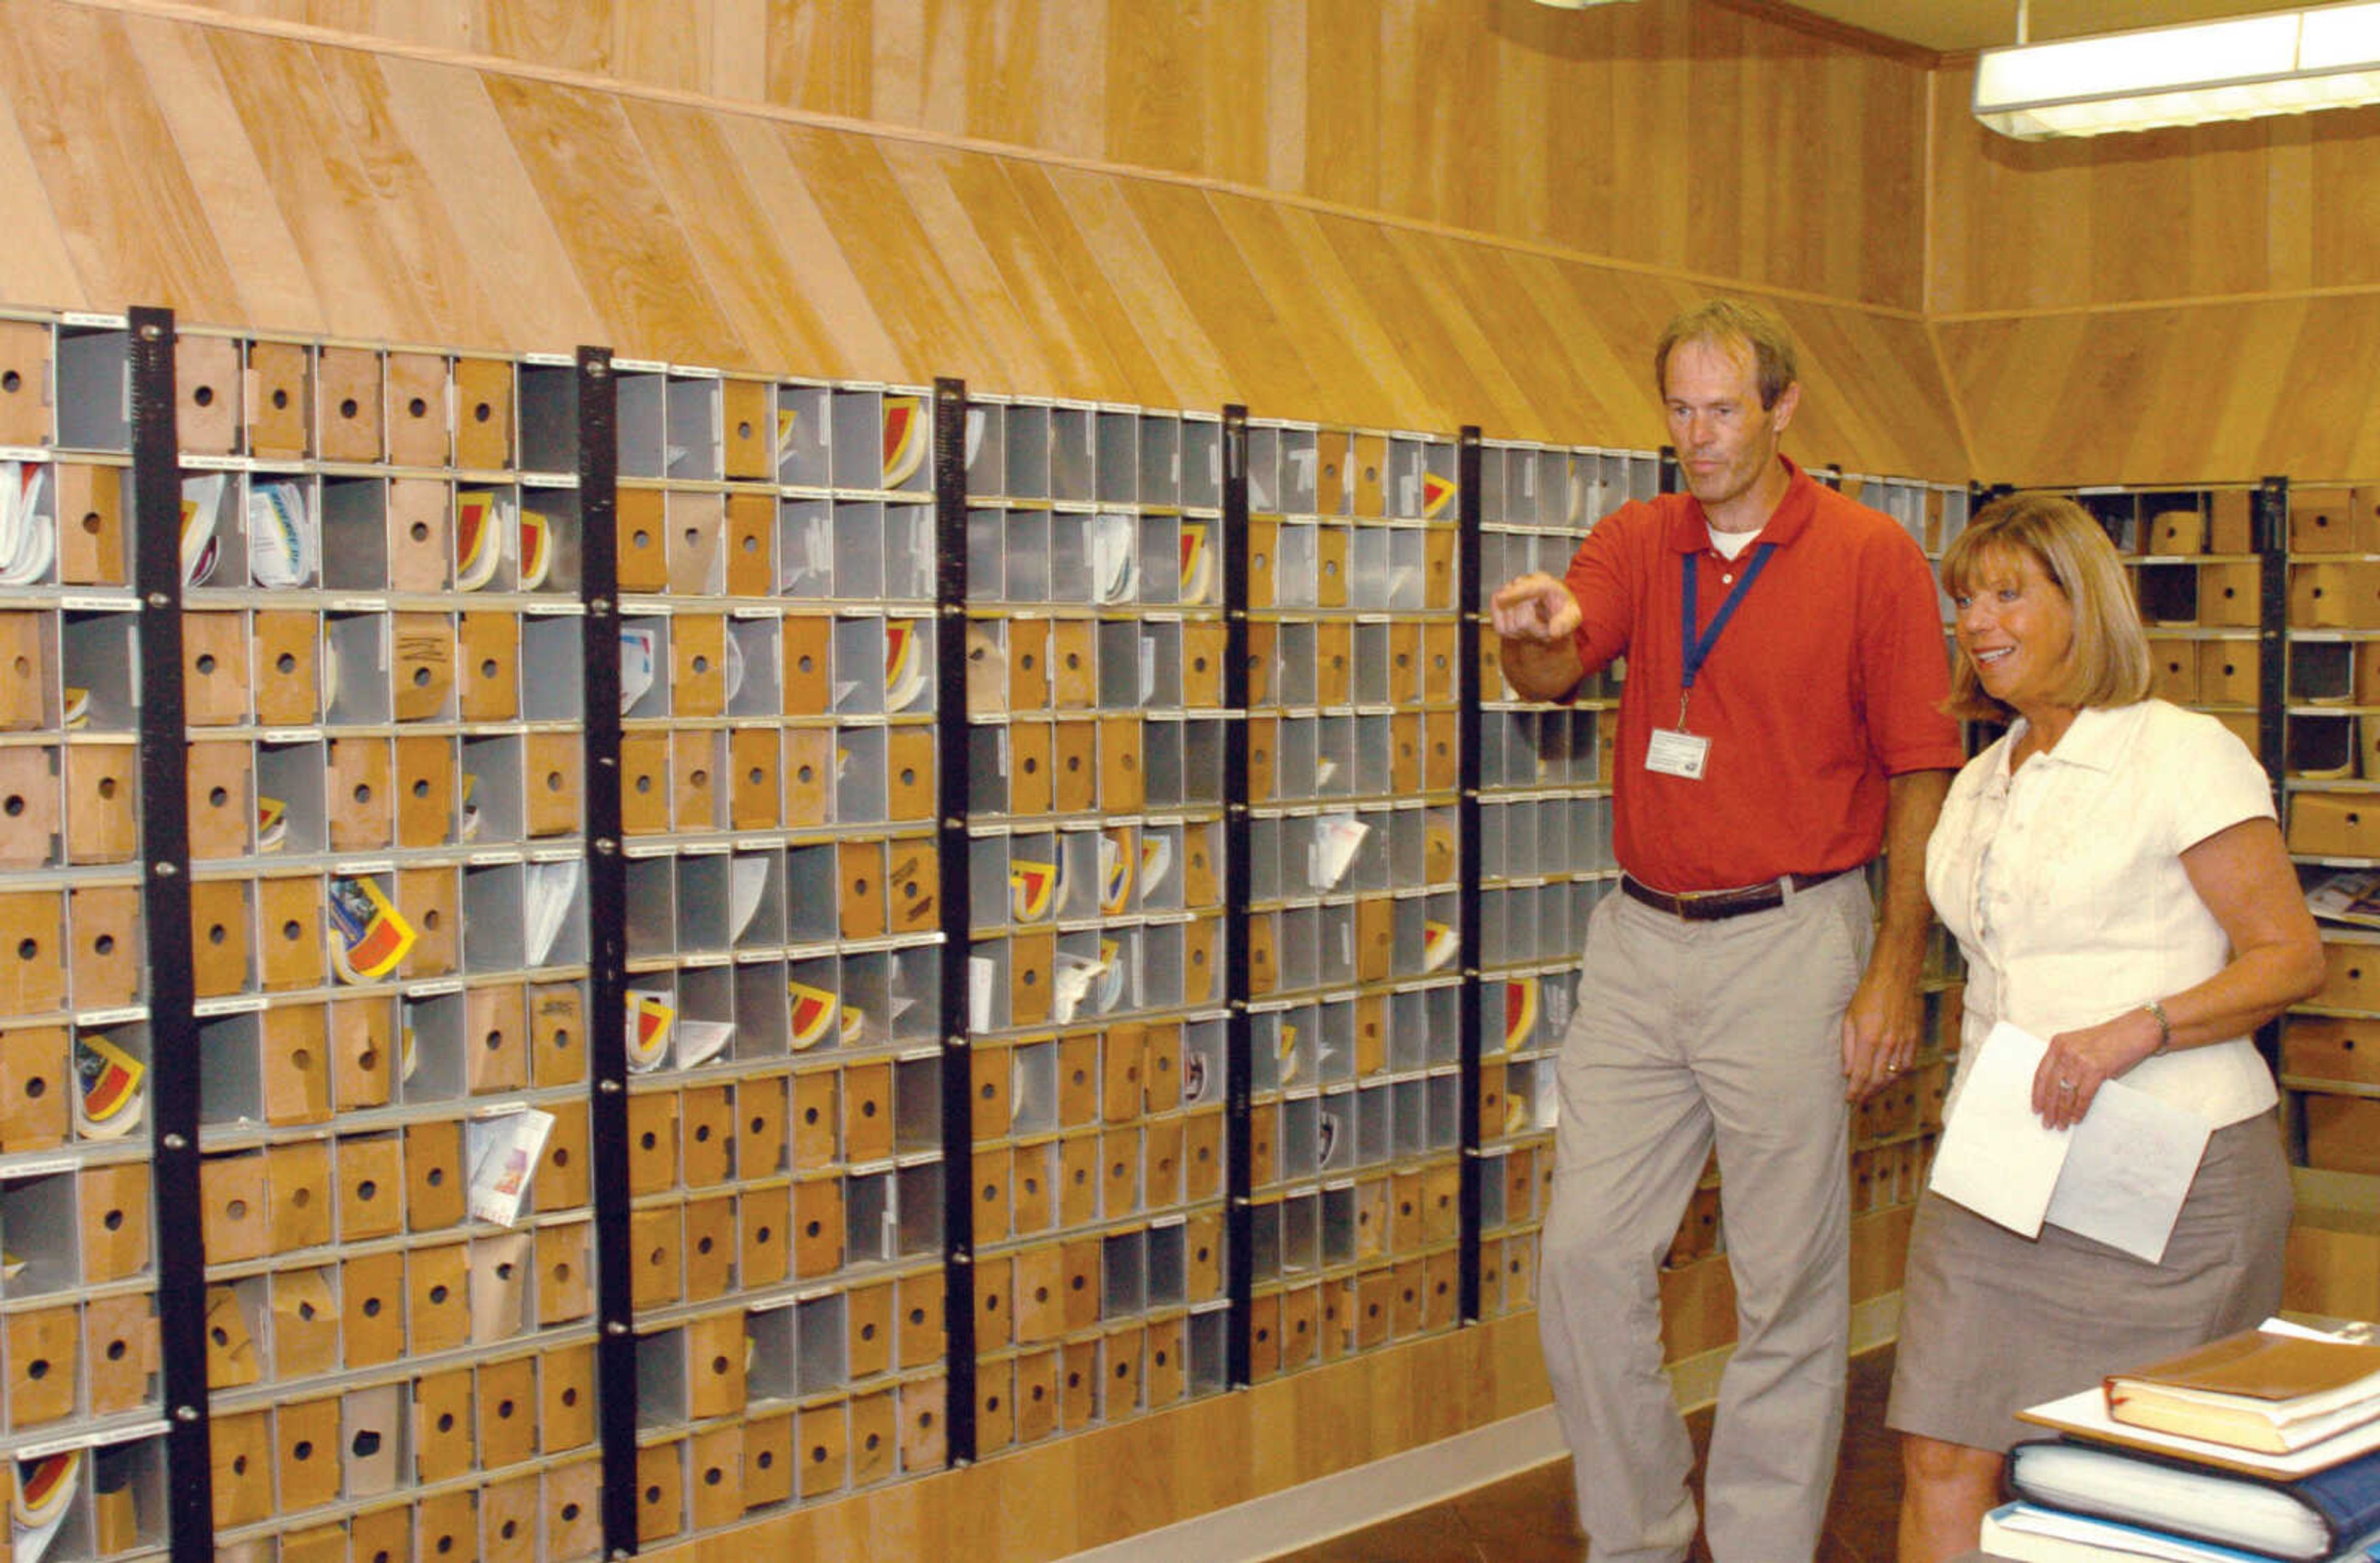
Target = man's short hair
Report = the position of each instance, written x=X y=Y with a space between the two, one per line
x=1733 y=323
x=2108 y=663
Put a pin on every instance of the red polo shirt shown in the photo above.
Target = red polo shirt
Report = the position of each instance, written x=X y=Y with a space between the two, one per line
x=1826 y=683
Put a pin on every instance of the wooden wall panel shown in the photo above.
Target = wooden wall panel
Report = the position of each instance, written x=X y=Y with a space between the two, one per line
x=279 y=184
x=120 y=202
x=2258 y=207
x=2201 y=392
x=1501 y=116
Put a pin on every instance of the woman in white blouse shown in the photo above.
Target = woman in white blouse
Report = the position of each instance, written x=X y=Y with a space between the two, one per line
x=2113 y=874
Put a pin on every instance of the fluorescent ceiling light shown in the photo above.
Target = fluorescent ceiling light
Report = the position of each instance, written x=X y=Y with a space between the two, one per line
x=2287 y=62
x=1576 y=4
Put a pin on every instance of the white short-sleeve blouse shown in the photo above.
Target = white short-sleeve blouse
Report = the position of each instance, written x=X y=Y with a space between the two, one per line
x=2064 y=887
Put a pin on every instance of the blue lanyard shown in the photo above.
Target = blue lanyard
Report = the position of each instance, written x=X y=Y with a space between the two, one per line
x=1696 y=649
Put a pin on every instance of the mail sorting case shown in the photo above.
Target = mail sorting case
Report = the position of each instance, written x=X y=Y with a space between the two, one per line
x=80 y=1406
x=1894 y=1131
x=382 y=666
x=778 y=782
x=1355 y=975
x=1545 y=843
x=1094 y=698
x=2331 y=741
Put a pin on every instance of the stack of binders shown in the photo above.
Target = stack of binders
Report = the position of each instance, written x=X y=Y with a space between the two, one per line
x=2263 y=1446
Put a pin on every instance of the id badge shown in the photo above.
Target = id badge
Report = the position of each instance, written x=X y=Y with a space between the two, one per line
x=1672 y=753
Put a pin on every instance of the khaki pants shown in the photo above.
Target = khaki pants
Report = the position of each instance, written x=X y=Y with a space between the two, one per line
x=1687 y=1033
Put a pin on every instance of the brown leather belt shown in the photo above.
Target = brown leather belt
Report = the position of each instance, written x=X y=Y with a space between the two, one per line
x=1709 y=906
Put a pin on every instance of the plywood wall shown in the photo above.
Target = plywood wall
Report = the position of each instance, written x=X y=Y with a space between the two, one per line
x=1673 y=133
x=246 y=176
x=2177 y=305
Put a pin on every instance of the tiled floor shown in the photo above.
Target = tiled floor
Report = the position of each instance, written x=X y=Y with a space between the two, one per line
x=1531 y=1519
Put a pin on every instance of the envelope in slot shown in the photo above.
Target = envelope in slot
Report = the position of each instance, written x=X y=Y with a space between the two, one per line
x=656 y=1255
x=371 y=1198
x=420 y=533
x=418 y=410
x=372 y=1436
x=552 y=764
x=206 y=394
x=114 y=1218
x=421 y=674
x=762 y=1214
x=306 y=1452
x=291 y=952
x=507 y=1393
x=361 y=804
x=231 y=1344
x=240 y=1448
x=215 y=670
x=25 y=377
x=1074 y=766
x=645 y=783
x=694 y=759
x=45 y=1348
x=106 y=951
x=305 y=1323
x=90 y=524
x=711 y=1238
x=347 y=381
x=818 y=1227
x=1030 y=765
x=431 y=899
x=715 y=1357
x=488 y=681
x=1122 y=788
x=698 y=664
x=754 y=795
x=484 y=414
x=35 y=1101
x=565 y=1281
x=707 y=1135
x=299 y=1184
x=909 y=783
x=120 y=1347
x=809 y=662
x=102 y=819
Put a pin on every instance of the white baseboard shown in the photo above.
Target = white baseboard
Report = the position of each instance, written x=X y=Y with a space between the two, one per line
x=1316 y=1511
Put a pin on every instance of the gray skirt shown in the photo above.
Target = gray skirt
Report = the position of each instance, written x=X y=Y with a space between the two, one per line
x=1992 y=1322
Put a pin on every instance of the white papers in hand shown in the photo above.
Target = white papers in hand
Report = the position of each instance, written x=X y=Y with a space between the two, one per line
x=2118 y=1176
x=2128 y=1170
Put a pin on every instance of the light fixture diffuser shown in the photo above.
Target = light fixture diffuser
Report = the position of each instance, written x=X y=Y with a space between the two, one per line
x=2285 y=62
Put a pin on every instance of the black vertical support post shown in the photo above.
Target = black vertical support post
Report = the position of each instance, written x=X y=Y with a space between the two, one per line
x=1670 y=470
x=607 y=940
x=1239 y=1063
x=2270 y=534
x=165 y=912
x=1470 y=684
x=951 y=815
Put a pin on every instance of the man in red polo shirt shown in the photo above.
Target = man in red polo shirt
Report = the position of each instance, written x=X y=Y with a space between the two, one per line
x=1780 y=723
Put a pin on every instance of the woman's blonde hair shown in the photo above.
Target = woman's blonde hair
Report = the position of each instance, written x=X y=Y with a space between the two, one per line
x=2108 y=663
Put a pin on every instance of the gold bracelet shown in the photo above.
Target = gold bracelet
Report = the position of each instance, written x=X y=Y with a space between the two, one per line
x=2165 y=1027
